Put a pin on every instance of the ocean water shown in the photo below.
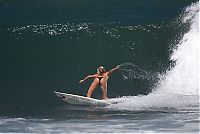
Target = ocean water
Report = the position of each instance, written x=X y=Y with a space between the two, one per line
x=50 y=45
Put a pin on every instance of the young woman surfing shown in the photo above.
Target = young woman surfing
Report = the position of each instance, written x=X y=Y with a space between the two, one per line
x=100 y=79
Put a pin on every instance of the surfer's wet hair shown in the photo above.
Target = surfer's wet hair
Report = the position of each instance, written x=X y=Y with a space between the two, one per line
x=101 y=69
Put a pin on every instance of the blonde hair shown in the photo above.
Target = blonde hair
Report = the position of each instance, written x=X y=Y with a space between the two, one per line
x=98 y=69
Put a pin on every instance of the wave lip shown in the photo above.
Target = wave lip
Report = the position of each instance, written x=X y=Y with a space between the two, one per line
x=184 y=77
x=179 y=88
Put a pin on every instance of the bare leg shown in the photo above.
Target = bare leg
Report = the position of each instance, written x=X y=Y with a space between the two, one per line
x=92 y=87
x=104 y=92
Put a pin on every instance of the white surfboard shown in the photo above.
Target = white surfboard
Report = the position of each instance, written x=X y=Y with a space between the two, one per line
x=81 y=100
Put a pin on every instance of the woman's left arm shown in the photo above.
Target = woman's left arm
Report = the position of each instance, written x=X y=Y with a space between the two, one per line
x=113 y=70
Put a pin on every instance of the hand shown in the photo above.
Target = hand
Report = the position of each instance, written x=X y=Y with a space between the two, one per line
x=81 y=81
x=117 y=66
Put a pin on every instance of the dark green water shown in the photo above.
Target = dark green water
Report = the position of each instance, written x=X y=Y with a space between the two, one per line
x=50 y=45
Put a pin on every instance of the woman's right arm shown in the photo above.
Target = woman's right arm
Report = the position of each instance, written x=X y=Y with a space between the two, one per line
x=89 y=76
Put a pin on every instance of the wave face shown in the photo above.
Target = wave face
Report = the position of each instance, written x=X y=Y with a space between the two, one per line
x=51 y=45
x=184 y=77
x=179 y=87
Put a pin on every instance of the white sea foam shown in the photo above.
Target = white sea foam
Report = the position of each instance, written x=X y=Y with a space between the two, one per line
x=179 y=87
x=184 y=77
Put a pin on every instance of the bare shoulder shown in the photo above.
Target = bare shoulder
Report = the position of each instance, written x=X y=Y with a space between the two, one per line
x=107 y=73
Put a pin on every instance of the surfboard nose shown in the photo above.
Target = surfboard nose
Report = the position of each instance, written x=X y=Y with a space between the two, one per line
x=59 y=95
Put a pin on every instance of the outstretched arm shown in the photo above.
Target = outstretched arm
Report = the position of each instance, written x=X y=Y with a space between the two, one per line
x=89 y=76
x=112 y=70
